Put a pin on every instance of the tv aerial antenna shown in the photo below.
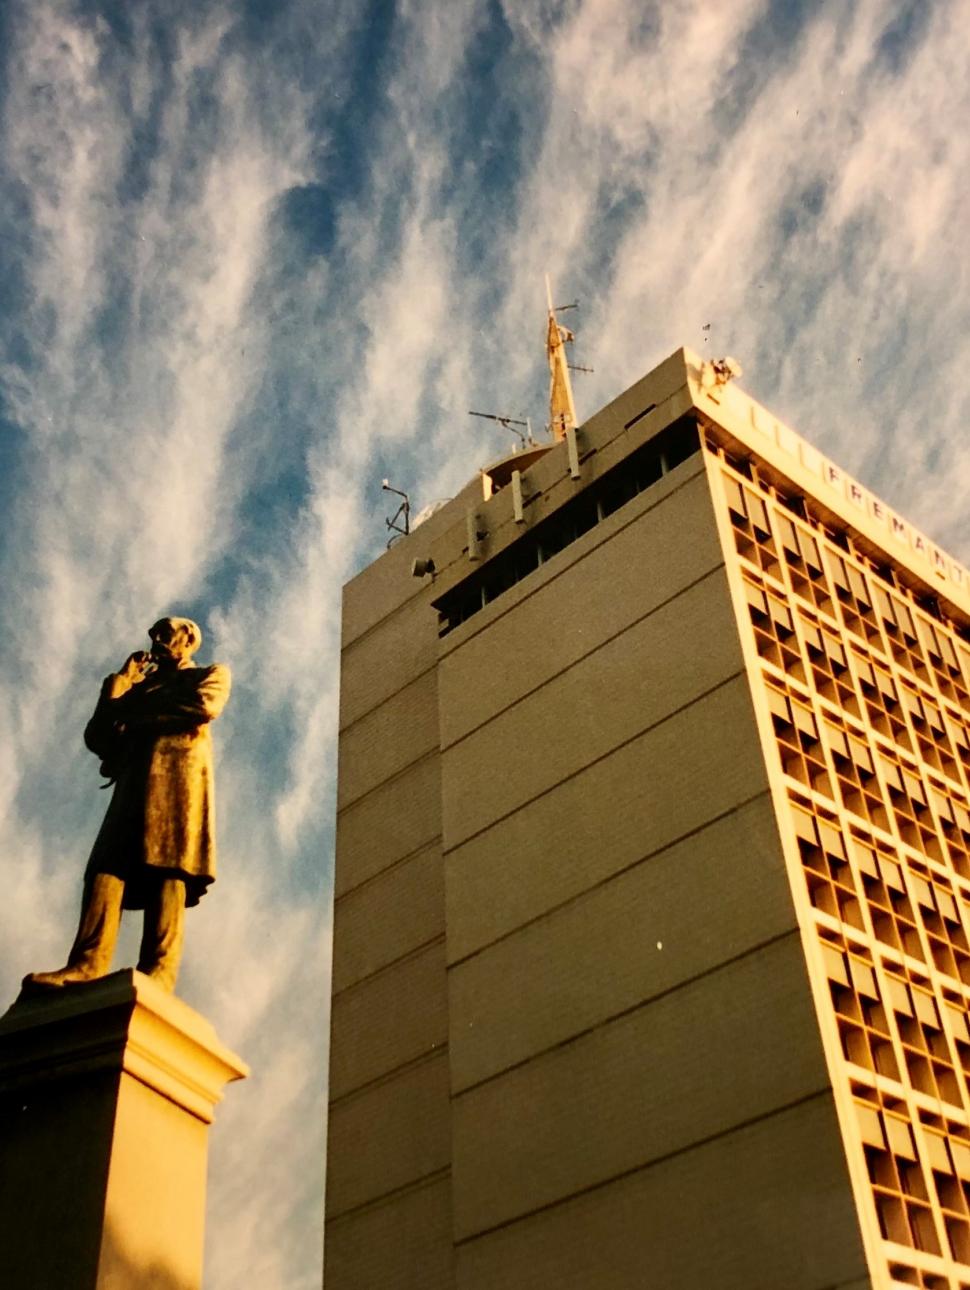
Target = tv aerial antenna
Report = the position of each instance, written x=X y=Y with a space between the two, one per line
x=400 y=522
x=512 y=424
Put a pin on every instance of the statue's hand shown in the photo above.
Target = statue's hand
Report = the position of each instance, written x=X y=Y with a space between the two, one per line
x=133 y=671
x=136 y=667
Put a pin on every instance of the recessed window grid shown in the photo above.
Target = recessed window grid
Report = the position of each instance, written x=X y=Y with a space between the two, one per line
x=880 y=697
x=934 y=672
x=934 y=744
x=948 y=659
x=823 y=749
x=896 y=1027
x=833 y=754
x=827 y=661
x=899 y=700
x=840 y=586
x=752 y=527
x=898 y=1179
x=797 y=734
x=932 y=1068
x=904 y=1275
x=869 y=705
x=916 y=1148
x=831 y=887
x=854 y=598
x=954 y=818
x=946 y=936
x=909 y=801
x=829 y=753
x=947 y=1151
x=894 y=920
x=863 y=1024
x=934 y=730
x=900 y=1031
x=911 y=910
x=774 y=629
x=855 y=773
x=960 y=739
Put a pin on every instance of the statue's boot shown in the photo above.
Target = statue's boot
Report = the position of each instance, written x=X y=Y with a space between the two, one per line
x=97 y=932
x=63 y=976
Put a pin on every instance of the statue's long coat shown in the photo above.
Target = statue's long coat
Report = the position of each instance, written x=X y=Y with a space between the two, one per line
x=154 y=741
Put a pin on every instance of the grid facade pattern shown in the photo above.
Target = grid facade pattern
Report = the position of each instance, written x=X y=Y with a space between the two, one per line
x=868 y=690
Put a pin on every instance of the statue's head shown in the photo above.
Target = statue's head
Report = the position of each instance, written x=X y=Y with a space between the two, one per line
x=175 y=640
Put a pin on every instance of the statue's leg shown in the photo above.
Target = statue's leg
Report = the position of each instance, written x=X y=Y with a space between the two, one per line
x=97 y=932
x=161 y=942
x=98 y=929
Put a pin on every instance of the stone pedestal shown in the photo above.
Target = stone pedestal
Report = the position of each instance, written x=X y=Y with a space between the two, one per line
x=106 y=1094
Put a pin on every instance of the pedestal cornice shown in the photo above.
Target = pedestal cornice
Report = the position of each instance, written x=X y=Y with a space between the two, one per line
x=122 y=1022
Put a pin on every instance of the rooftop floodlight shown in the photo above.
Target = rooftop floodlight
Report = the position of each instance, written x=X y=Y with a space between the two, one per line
x=726 y=369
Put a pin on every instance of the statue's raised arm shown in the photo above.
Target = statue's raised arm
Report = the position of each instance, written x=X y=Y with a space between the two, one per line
x=156 y=849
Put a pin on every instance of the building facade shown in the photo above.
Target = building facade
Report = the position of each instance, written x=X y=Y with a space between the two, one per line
x=651 y=958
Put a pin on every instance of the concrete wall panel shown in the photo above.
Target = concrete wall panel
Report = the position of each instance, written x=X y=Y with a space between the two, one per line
x=613 y=694
x=387 y=740
x=396 y=819
x=388 y=1136
x=393 y=1018
x=730 y=1047
x=403 y=1244
x=625 y=941
x=620 y=578
x=383 y=919
x=377 y=665
x=672 y=780
x=765 y=1207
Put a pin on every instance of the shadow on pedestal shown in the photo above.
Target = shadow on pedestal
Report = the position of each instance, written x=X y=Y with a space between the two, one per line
x=107 y=1090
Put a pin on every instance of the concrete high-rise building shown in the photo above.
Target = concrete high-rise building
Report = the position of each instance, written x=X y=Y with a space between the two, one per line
x=651 y=962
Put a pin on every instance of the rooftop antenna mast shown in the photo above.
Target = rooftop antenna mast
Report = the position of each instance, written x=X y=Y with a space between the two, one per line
x=562 y=409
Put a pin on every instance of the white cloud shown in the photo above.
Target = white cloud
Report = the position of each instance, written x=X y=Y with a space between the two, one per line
x=138 y=315
x=645 y=110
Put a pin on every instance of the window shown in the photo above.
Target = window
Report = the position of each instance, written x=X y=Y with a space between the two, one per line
x=608 y=494
x=868 y=695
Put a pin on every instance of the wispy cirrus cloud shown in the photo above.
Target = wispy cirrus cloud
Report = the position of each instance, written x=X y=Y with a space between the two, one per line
x=258 y=257
x=144 y=166
x=794 y=184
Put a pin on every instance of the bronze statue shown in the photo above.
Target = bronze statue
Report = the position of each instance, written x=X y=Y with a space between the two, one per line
x=156 y=848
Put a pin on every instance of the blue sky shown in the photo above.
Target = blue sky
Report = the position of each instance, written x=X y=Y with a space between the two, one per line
x=256 y=256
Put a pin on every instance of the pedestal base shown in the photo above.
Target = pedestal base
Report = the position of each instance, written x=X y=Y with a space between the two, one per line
x=106 y=1093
